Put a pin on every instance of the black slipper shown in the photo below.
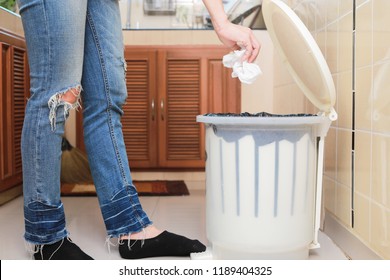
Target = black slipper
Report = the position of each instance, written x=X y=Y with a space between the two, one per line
x=165 y=244
x=64 y=249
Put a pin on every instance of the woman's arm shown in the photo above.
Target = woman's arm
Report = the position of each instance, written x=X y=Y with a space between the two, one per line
x=232 y=35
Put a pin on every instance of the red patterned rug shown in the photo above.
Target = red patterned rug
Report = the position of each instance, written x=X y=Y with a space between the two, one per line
x=144 y=188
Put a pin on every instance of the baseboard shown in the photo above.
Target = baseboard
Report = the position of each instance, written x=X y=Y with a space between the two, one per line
x=346 y=241
x=10 y=194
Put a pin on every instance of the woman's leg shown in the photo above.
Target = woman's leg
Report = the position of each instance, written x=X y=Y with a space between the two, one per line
x=54 y=32
x=103 y=97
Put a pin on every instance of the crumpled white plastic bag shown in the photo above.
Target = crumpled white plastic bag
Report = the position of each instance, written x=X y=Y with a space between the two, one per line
x=246 y=72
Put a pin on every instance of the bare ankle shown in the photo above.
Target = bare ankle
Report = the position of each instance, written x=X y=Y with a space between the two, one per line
x=148 y=232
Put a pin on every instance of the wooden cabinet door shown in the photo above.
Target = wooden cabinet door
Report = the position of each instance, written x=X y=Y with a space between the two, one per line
x=14 y=88
x=182 y=96
x=140 y=111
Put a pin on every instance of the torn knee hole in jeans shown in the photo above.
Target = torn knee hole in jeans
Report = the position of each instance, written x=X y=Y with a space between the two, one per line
x=124 y=64
x=68 y=98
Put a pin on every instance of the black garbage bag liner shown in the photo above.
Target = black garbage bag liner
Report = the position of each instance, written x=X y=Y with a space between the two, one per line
x=260 y=114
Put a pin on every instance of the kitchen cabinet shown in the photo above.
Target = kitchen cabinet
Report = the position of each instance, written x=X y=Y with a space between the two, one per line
x=168 y=86
x=14 y=90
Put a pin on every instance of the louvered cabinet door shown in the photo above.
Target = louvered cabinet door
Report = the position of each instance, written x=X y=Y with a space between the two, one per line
x=14 y=87
x=139 y=120
x=192 y=81
x=182 y=96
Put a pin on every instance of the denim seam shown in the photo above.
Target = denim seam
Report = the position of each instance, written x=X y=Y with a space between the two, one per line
x=107 y=91
x=37 y=132
x=49 y=53
x=37 y=149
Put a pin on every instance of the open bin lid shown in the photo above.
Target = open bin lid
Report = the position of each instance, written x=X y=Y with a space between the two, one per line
x=301 y=54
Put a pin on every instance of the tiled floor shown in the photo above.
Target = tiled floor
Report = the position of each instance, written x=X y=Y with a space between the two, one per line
x=184 y=215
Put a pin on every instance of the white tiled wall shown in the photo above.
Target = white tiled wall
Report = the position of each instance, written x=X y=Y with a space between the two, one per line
x=360 y=64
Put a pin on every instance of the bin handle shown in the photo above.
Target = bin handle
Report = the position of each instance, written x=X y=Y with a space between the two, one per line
x=318 y=200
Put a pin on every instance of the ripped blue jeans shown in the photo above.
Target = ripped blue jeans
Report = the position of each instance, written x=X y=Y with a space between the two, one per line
x=75 y=46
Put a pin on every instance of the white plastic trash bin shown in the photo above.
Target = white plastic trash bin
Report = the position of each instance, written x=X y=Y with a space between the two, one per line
x=264 y=172
x=261 y=179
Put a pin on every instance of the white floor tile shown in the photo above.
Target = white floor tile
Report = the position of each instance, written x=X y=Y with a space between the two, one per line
x=183 y=215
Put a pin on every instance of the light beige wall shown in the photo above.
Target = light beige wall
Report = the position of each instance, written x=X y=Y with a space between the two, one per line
x=11 y=22
x=357 y=169
x=139 y=20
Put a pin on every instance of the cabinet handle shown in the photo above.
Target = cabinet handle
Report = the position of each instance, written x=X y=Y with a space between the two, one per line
x=162 y=109
x=153 y=110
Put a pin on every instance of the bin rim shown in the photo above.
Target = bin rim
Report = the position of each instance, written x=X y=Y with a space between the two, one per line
x=273 y=121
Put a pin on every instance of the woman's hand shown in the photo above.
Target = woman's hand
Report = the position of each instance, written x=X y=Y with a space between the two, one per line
x=232 y=35
x=238 y=37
